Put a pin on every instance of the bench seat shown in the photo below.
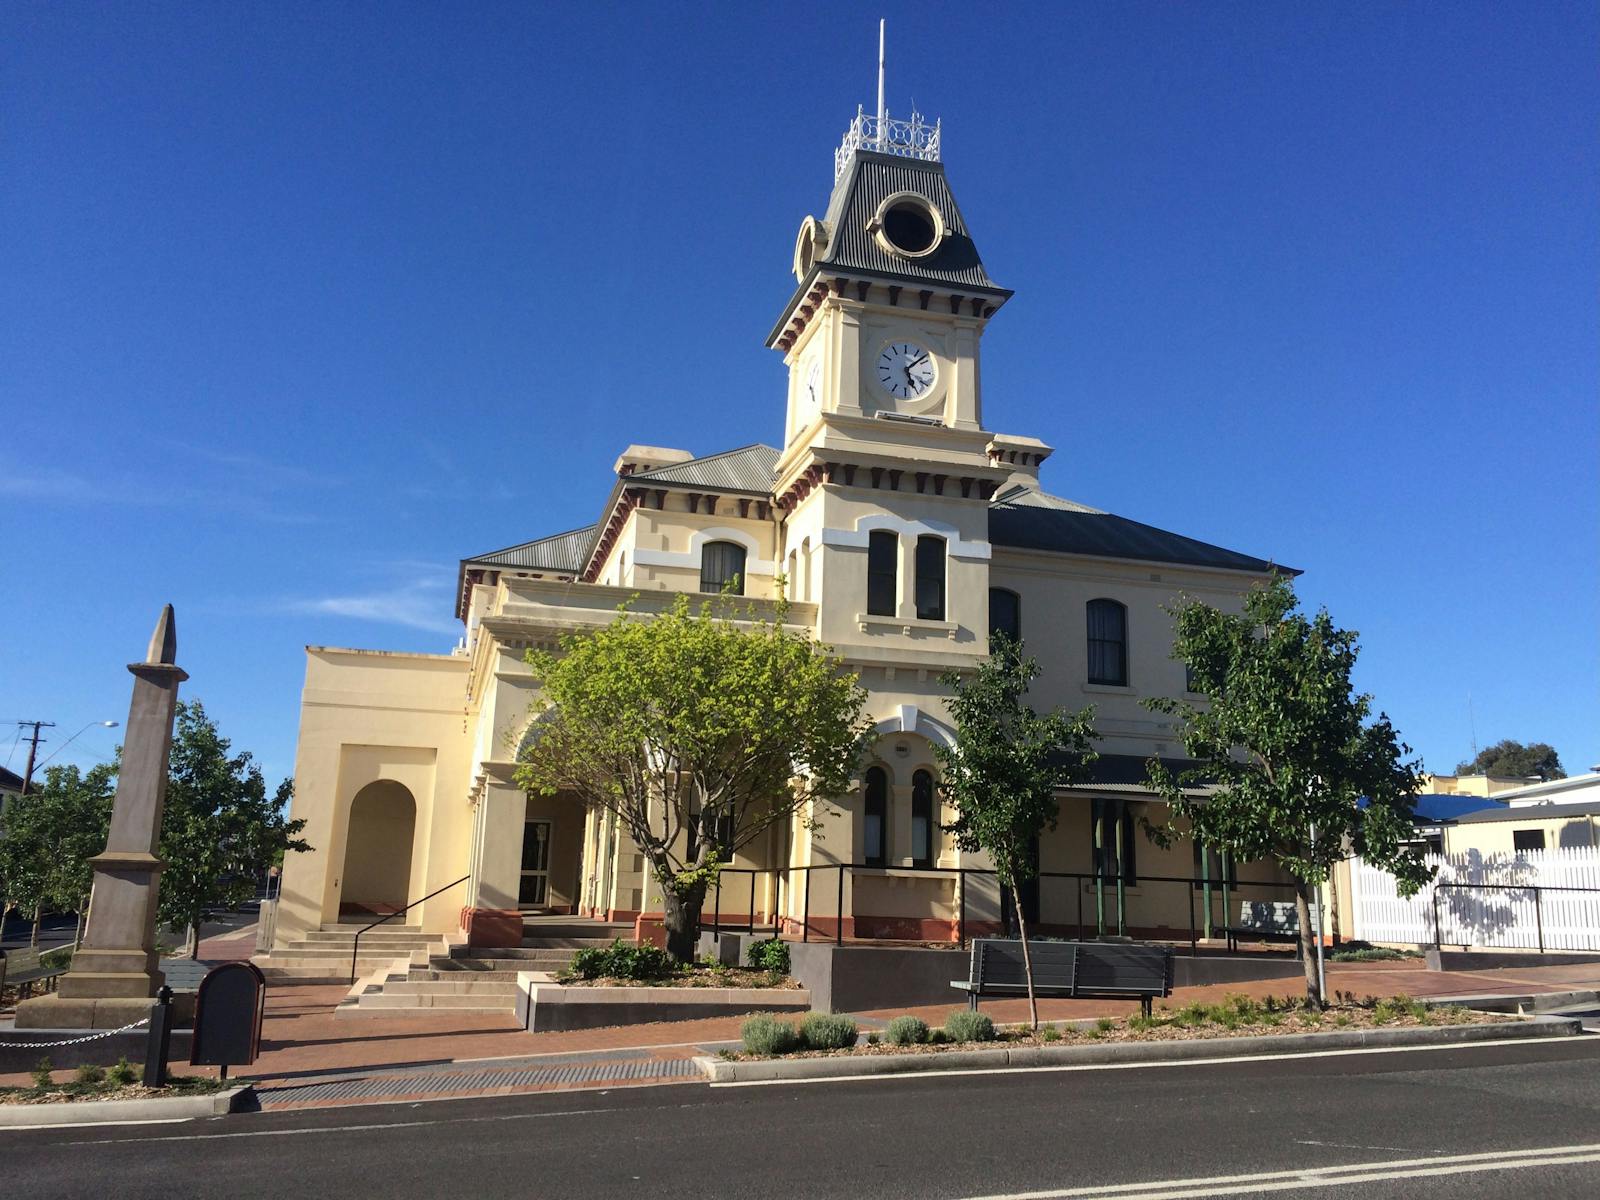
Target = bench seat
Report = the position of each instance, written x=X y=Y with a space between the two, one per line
x=1069 y=970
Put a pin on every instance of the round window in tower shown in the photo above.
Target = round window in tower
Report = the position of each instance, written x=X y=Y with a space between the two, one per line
x=908 y=225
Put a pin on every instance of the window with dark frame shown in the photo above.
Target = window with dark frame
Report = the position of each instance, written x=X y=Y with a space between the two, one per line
x=1108 y=643
x=1005 y=613
x=930 y=578
x=1527 y=839
x=1110 y=808
x=874 y=817
x=883 y=571
x=922 y=819
x=722 y=567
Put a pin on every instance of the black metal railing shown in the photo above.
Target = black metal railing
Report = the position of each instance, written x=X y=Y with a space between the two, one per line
x=1496 y=939
x=355 y=946
x=1108 y=917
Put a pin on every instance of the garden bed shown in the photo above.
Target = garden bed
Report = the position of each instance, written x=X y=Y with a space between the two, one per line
x=1235 y=1017
x=98 y=1084
x=697 y=976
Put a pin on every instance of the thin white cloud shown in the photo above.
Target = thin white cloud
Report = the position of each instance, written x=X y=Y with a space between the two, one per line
x=416 y=604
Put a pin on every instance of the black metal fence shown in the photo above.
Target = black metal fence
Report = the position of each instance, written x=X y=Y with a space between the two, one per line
x=1516 y=916
x=1102 y=903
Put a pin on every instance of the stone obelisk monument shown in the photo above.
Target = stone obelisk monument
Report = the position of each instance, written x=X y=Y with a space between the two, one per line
x=115 y=973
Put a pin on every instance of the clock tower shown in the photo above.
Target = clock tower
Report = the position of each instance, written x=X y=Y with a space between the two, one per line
x=884 y=430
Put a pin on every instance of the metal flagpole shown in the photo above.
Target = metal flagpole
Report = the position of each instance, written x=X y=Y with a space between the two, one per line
x=882 y=114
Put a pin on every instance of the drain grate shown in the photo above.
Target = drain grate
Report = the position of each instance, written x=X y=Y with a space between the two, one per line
x=420 y=1083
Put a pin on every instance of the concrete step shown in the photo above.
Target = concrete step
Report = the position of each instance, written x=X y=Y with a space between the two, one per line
x=505 y=976
x=544 y=942
x=334 y=953
x=367 y=1012
x=450 y=987
x=478 y=953
x=352 y=927
x=450 y=1000
x=375 y=936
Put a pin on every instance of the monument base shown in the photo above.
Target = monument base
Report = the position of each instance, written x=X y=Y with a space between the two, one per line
x=102 y=1012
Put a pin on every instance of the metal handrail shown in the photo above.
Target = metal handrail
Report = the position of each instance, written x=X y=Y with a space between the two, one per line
x=355 y=947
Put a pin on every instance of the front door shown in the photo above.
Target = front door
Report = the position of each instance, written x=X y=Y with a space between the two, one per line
x=534 y=889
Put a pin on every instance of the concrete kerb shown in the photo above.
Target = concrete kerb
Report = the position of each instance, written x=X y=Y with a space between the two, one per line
x=838 y=1066
x=116 y=1112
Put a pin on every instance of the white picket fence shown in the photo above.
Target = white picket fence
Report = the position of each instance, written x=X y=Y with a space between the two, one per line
x=1512 y=902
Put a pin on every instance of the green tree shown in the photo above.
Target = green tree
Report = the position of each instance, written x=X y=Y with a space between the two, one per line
x=1002 y=773
x=48 y=837
x=1301 y=776
x=699 y=729
x=220 y=830
x=1507 y=757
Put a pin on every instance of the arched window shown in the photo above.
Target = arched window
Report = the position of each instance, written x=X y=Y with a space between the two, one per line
x=883 y=573
x=1108 y=643
x=922 y=819
x=1005 y=613
x=930 y=578
x=874 y=831
x=722 y=567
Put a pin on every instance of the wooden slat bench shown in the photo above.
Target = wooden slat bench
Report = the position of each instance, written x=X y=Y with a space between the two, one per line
x=1268 y=918
x=24 y=971
x=1069 y=970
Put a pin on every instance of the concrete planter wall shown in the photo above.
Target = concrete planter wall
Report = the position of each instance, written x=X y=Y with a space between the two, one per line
x=543 y=1006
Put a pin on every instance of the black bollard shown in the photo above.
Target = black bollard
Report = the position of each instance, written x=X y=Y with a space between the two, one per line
x=156 y=1045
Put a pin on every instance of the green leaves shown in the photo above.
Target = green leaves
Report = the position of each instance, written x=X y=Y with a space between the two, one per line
x=1007 y=760
x=48 y=836
x=699 y=727
x=219 y=831
x=1287 y=742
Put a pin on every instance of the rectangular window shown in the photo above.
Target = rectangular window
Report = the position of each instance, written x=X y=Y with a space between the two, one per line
x=1005 y=613
x=1116 y=814
x=1108 y=643
x=922 y=819
x=874 y=814
x=722 y=567
x=883 y=571
x=1527 y=839
x=930 y=578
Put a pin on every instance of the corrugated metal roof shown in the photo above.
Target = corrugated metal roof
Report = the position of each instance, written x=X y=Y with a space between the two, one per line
x=1531 y=812
x=747 y=469
x=854 y=203
x=563 y=552
x=1032 y=520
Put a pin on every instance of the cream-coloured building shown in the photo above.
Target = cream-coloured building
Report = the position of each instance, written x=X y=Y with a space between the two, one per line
x=904 y=527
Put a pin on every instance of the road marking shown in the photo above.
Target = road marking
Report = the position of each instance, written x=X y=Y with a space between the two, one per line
x=94 y=1124
x=1309 y=1177
x=1140 y=1066
x=322 y=1129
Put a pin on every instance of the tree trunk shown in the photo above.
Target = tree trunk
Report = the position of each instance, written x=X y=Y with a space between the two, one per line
x=38 y=915
x=1308 y=949
x=194 y=940
x=77 y=931
x=681 y=917
x=1027 y=959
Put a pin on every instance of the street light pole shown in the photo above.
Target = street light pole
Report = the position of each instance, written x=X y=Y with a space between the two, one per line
x=70 y=740
x=33 y=748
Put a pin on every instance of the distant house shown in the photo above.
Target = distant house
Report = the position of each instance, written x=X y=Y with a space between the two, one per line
x=1471 y=785
x=1561 y=814
x=10 y=786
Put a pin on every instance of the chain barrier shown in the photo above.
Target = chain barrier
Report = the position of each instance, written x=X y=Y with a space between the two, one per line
x=72 y=1041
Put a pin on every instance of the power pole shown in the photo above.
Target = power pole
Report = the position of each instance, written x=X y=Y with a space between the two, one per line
x=33 y=748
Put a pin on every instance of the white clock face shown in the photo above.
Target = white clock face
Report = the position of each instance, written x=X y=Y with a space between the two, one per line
x=905 y=370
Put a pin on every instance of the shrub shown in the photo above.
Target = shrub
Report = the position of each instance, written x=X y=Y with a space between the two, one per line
x=825 y=1031
x=906 y=1031
x=1105 y=1024
x=770 y=954
x=622 y=960
x=765 y=1034
x=89 y=1073
x=123 y=1072
x=872 y=1039
x=1050 y=1034
x=41 y=1073
x=969 y=1027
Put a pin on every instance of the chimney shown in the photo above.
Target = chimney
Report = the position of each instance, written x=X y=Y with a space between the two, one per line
x=646 y=458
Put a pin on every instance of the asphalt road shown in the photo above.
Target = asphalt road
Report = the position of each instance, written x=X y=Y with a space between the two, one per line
x=1392 y=1125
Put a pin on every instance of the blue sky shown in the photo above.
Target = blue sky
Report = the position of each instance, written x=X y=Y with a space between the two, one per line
x=303 y=303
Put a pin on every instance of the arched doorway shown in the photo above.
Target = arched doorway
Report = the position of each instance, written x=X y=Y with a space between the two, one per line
x=377 y=849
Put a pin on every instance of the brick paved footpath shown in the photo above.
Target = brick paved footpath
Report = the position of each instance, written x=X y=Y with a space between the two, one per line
x=311 y=1058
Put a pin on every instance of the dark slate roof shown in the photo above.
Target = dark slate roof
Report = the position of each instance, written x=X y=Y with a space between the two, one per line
x=1029 y=519
x=747 y=469
x=1532 y=812
x=871 y=177
x=564 y=552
